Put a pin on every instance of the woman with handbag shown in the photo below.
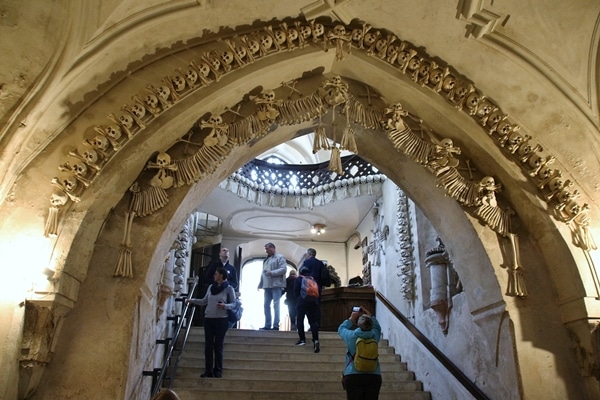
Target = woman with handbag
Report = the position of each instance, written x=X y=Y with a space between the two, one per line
x=219 y=298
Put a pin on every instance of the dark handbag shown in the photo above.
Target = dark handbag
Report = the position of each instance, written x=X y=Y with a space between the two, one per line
x=232 y=316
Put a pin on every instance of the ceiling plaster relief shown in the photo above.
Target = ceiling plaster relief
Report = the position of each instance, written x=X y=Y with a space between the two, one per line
x=436 y=155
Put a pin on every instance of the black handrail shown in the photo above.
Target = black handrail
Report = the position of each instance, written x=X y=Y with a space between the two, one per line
x=184 y=323
x=453 y=369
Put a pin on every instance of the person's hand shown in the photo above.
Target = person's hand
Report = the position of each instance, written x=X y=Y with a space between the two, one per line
x=365 y=311
x=268 y=273
x=221 y=305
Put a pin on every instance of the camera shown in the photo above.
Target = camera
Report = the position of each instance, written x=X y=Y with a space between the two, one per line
x=355 y=309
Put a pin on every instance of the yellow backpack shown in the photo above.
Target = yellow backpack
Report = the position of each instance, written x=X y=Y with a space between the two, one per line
x=367 y=354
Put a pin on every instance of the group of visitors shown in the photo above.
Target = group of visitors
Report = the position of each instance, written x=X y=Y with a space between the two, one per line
x=221 y=296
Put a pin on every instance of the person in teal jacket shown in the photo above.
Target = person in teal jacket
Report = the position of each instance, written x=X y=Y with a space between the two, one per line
x=360 y=385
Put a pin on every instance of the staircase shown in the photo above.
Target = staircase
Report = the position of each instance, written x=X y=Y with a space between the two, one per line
x=266 y=365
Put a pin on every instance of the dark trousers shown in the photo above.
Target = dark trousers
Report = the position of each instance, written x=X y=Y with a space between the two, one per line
x=313 y=312
x=214 y=334
x=362 y=386
x=292 y=311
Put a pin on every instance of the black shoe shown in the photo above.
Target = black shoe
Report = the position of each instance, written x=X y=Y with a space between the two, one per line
x=264 y=328
x=317 y=346
x=275 y=329
x=300 y=342
x=217 y=375
x=207 y=375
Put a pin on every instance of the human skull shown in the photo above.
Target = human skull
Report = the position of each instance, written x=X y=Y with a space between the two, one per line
x=114 y=132
x=535 y=161
x=241 y=52
x=392 y=52
x=253 y=46
x=336 y=80
x=292 y=35
x=504 y=128
x=424 y=69
x=357 y=35
x=435 y=76
x=151 y=101
x=204 y=69
x=370 y=38
x=227 y=57
x=473 y=100
x=305 y=31
x=178 y=83
x=70 y=184
x=58 y=199
x=191 y=76
x=449 y=83
x=572 y=208
x=215 y=119
x=487 y=182
x=164 y=92
x=280 y=36
x=339 y=30
x=318 y=30
x=90 y=156
x=414 y=63
x=79 y=169
x=381 y=45
x=403 y=57
x=545 y=172
x=495 y=117
x=100 y=142
x=269 y=96
x=266 y=41
x=126 y=121
x=447 y=143
x=556 y=184
x=216 y=63
x=138 y=110
x=461 y=91
x=163 y=160
x=484 y=108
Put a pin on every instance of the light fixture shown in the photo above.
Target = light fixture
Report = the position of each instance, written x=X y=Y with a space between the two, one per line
x=318 y=229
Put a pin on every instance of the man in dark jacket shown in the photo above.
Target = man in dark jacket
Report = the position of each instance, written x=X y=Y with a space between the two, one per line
x=317 y=268
x=309 y=307
x=223 y=263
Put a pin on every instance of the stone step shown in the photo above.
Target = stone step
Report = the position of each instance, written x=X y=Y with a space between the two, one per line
x=189 y=376
x=305 y=353
x=265 y=383
x=224 y=394
x=267 y=365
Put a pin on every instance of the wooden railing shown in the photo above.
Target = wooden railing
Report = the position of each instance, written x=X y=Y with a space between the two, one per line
x=433 y=350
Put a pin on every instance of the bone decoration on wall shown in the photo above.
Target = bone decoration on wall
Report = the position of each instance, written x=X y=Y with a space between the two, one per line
x=235 y=51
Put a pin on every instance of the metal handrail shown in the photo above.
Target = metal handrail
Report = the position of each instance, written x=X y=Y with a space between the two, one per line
x=186 y=317
x=437 y=353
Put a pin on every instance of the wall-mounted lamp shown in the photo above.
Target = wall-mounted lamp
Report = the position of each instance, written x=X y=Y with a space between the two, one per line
x=318 y=229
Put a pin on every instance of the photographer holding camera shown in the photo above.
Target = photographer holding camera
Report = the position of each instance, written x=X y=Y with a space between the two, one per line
x=361 y=378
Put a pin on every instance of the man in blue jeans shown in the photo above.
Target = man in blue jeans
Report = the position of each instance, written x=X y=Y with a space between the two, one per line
x=272 y=281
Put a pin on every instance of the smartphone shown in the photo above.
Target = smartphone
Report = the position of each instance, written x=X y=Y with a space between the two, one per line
x=355 y=309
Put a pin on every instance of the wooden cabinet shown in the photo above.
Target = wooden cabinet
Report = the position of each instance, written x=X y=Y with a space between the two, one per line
x=337 y=303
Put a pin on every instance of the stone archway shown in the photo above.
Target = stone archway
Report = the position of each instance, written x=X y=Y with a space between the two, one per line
x=103 y=300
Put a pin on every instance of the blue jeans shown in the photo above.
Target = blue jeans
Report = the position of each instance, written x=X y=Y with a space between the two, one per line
x=272 y=295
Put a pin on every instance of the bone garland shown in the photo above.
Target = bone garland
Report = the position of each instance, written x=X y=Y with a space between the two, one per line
x=489 y=211
x=516 y=283
x=348 y=142
x=124 y=266
x=148 y=201
x=227 y=54
x=464 y=191
x=335 y=163
x=410 y=144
